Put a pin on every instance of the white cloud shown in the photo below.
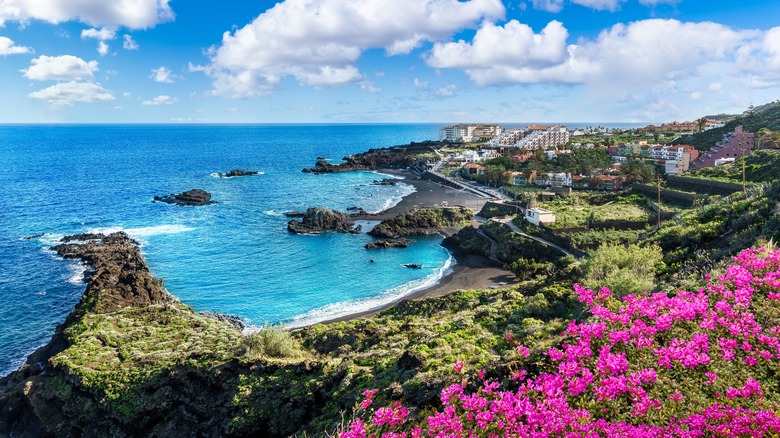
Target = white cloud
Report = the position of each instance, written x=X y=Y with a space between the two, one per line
x=696 y=95
x=506 y=53
x=445 y=91
x=134 y=14
x=600 y=5
x=715 y=86
x=60 y=68
x=637 y=54
x=69 y=93
x=163 y=75
x=318 y=41
x=369 y=87
x=658 y=2
x=102 y=34
x=129 y=43
x=102 y=48
x=7 y=47
x=553 y=6
x=161 y=100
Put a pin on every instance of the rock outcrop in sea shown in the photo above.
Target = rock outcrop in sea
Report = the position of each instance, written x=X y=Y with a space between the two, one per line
x=238 y=172
x=320 y=219
x=190 y=197
x=422 y=222
x=389 y=243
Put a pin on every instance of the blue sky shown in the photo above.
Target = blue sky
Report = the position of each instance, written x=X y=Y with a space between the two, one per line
x=333 y=61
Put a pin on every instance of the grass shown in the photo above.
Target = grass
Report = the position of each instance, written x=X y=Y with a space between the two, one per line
x=577 y=209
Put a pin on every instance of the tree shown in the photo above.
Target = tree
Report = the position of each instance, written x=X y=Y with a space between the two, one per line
x=637 y=170
x=702 y=123
x=494 y=175
x=504 y=162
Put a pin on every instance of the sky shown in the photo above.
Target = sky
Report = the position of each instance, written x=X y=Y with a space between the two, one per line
x=385 y=61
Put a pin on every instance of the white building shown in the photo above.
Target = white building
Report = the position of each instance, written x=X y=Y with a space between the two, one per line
x=468 y=133
x=545 y=139
x=539 y=216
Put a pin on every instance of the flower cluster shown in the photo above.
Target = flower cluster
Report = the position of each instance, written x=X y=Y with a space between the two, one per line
x=692 y=364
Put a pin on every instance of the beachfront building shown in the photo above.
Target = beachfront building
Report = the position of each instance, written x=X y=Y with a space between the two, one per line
x=467 y=133
x=733 y=145
x=539 y=216
x=544 y=137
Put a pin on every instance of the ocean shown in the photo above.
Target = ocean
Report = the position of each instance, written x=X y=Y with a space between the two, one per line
x=234 y=257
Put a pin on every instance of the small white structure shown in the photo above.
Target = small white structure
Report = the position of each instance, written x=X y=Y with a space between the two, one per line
x=539 y=216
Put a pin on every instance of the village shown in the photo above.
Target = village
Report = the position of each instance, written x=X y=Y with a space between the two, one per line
x=542 y=162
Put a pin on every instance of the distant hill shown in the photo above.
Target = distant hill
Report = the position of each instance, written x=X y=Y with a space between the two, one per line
x=765 y=116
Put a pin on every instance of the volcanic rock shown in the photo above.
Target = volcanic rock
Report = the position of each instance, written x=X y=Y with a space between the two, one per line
x=321 y=219
x=390 y=243
x=238 y=172
x=191 y=197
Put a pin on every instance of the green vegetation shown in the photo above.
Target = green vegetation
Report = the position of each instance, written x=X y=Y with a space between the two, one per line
x=763 y=117
x=579 y=209
x=697 y=239
x=423 y=221
x=272 y=341
x=625 y=270
x=760 y=166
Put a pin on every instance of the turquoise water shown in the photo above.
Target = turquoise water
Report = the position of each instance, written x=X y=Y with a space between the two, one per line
x=234 y=257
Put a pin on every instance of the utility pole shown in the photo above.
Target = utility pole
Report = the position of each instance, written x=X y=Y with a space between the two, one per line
x=659 y=199
x=744 y=183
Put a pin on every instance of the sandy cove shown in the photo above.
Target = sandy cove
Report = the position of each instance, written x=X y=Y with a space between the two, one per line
x=469 y=271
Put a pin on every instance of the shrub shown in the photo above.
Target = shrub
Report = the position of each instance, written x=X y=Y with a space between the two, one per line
x=272 y=341
x=626 y=269
x=695 y=364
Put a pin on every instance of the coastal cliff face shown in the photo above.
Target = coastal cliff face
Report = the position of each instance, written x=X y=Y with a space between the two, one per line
x=423 y=222
x=99 y=374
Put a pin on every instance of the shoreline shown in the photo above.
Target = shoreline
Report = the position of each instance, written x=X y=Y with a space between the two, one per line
x=467 y=272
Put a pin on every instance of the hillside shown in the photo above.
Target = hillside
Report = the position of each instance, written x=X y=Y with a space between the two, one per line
x=760 y=166
x=130 y=360
x=765 y=116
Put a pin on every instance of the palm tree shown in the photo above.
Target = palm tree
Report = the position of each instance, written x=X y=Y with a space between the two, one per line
x=702 y=122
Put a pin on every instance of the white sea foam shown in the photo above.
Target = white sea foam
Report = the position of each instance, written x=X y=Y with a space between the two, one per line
x=142 y=232
x=273 y=213
x=346 y=308
x=77 y=270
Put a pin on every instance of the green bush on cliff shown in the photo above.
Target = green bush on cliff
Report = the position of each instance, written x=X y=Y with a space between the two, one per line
x=626 y=270
x=273 y=341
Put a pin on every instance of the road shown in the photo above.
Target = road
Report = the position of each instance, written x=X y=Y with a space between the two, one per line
x=516 y=229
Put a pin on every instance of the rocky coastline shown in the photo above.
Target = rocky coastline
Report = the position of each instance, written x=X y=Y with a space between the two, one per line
x=118 y=278
x=396 y=157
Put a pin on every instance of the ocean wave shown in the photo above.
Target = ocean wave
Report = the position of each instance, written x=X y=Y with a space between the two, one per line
x=77 y=270
x=404 y=190
x=141 y=232
x=346 y=308
x=273 y=213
